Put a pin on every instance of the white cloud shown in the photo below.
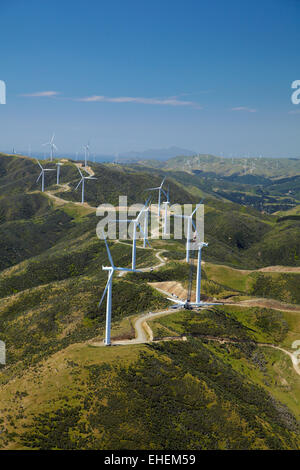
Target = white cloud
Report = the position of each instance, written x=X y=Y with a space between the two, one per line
x=39 y=94
x=244 y=108
x=172 y=101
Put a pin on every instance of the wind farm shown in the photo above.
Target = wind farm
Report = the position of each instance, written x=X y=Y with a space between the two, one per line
x=150 y=228
x=151 y=297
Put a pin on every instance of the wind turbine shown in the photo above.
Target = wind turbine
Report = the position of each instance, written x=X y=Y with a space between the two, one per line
x=187 y=304
x=146 y=222
x=52 y=146
x=42 y=174
x=166 y=203
x=160 y=189
x=82 y=182
x=108 y=289
x=136 y=223
x=58 y=165
x=86 y=153
x=190 y=224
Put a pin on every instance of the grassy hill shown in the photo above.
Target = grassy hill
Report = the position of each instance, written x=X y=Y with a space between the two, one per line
x=60 y=392
x=269 y=185
x=171 y=395
x=266 y=167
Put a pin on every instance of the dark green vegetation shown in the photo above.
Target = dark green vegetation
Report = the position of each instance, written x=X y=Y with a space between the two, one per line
x=180 y=395
x=59 y=392
x=237 y=167
x=264 y=183
x=284 y=287
x=247 y=326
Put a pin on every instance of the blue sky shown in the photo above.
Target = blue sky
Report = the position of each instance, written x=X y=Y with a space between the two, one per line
x=214 y=77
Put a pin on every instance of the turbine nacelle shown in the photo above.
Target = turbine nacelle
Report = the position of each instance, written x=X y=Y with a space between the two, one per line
x=52 y=146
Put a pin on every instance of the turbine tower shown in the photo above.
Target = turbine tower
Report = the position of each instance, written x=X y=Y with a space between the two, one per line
x=146 y=222
x=160 y=189
x=166 y=203
x=108 y=289
x=58 y=165
x=198 y=303
x=198 y=278
x=136 y=223
x=52 y=146
x=42 y=174
x=86 y=153
x=190 y=225
x=83 y=178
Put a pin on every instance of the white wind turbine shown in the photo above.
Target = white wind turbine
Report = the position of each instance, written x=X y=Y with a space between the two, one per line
x=160 y=189
x=146 y=222
x=198 y=303
x=58 y=165
x=81 y=182
x=52 y=146
x=166 y=203
x=86 y=153
x=108 y=289
x=42 y=174
x=190 y=225
x=136 y=223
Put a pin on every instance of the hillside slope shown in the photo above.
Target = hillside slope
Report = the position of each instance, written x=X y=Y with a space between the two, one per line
x=57 y=391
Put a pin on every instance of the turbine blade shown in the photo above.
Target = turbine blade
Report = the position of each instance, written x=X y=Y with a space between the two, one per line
x=197 y=207
x=179 y=302
x=80 y=172
x=108 y=252
x=39 y=176
x=162 y=182
x=106 y=287
x=78 y=184
x=128 y=270
x=39 y=163
x=142 y=232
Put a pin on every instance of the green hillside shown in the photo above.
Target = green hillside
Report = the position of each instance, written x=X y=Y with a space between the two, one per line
x=266 y=167
x=61 y=389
